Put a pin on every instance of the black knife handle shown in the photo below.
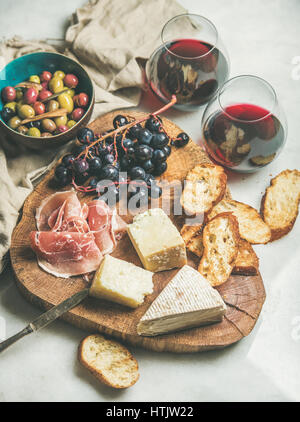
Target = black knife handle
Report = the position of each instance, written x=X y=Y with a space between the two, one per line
x=11 y=340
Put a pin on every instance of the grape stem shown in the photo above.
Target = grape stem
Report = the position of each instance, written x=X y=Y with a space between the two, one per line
x=129 y=125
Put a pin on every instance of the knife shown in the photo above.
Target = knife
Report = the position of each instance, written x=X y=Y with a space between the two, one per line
x=46 y=318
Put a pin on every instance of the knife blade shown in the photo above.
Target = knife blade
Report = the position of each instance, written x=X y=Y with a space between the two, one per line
x=47 y=317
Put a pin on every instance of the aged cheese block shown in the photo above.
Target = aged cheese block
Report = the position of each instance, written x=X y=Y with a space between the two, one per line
x=187 y=301
x=122 y=282
x=157 y=241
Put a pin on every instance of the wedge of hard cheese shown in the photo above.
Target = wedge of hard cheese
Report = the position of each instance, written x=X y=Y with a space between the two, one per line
x=121 y=282
x=187 y=301
x=157 y=241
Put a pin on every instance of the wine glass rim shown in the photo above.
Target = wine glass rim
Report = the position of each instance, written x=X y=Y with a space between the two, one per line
x=270 y=112
x=193 y=57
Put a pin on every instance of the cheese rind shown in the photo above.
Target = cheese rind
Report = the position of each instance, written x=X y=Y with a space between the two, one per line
x=121 y=282
x=187 y=301
x=157 y=241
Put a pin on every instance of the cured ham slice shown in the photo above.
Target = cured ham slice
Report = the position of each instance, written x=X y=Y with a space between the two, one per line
x=47 y=213
x=72 y=238
x=66 y=254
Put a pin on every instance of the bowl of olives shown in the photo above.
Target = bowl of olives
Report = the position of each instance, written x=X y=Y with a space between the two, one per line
x=45 y=98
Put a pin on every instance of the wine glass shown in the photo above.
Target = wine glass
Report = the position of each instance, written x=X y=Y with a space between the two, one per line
x=244 y=127
x=191 y=63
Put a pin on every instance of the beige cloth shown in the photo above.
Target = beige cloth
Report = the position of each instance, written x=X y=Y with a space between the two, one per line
x=108 y=37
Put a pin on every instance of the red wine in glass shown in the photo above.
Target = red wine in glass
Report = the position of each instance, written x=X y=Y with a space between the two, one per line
x=191 y=69
x=243 y=136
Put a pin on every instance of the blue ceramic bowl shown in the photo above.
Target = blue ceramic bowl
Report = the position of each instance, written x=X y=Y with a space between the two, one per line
x=19 y=70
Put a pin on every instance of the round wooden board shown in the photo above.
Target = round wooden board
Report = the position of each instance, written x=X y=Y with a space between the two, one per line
x=244 y=296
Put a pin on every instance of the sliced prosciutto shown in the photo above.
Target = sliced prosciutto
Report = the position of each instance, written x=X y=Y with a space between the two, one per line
x=65 y=254
x=72 y=238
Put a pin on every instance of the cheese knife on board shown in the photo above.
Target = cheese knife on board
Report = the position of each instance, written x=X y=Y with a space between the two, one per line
x=46 y=318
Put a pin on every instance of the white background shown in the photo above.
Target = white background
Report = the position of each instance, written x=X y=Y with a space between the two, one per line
x=262 y=38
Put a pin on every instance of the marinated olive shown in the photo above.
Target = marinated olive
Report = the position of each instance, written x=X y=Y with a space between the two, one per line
x=59 y=74
x=45 y=85
x=26 y=111
x=77 y=114
x=8 y=94
x=56 y=85
x=45 y=76
x=19 y=94
x=81 y=100
x=12 y=105
x=34 y=131
x=61 y=121
x=14 y=122
x=48 y=125
x=71 y=81
x=62 y=129
x=39 y=108
x=65 y=101
x=35 y=78
x=70 y=92
x=30 y=96
x=44 y=93
x=71 y=123
x=7 y=113
x=45 y=135
x=22 y=129
x=52 y=105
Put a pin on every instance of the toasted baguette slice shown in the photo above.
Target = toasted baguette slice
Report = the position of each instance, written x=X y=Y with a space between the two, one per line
x=246 y=262
x=108 y=361
x=205 y=186
x=188 y=232
x=280 y=203
x=251 y=226
x=195 y=245
x=221 y=243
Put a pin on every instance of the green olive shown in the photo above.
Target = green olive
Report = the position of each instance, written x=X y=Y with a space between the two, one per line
x=35 y=78
x=22 y=129
x=26 y=111
x=14 y=122
x=48 y=125
x=59 y=74
x=52 y=105
x=65 y=101
x=34 y=131
x=56 y=85
x=19 y=94
x=71 y=92
x=12 y=105
x=61 y=121
x=71 y=123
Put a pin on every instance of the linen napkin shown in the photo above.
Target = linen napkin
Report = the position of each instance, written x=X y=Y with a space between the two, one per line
x=110 y=38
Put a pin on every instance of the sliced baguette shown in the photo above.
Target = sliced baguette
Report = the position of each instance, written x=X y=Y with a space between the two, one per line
x=280 y=203
x=205 y=186
x=108 y=361
x=246 y=262
x=251 y=226
x=221 y=243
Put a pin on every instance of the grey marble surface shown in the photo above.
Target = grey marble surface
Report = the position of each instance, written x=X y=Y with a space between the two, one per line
x=262 y=38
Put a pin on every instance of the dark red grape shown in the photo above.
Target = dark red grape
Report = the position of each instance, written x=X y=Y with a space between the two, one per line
x=167 y=150
x=181 y=140
x=126 y=163
x=159 y=156
x=137 y=173
x=155 y=191
x=148 y=166
x=109 y=172
x=153 y=124
x=144 y=136
x=85 y=135
x=143 y=152
x=80 y=166
x=134 y=130
x=159 y=140
x=160 y=168
x=95 y=165
x=62 y=175
x=67 y=160
x=119 y=121
x=108 y=159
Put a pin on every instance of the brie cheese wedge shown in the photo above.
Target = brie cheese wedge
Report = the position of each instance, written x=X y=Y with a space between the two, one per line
x=187 y=301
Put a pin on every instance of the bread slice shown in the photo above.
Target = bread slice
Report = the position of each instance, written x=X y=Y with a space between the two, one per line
x=205 y=186
x=246 y=262
x=251 y=226
x=221 y=243
x=108 y=361
x=280 y=203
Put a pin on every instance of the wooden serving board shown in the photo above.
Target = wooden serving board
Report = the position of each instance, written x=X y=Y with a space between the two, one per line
x=244 y=296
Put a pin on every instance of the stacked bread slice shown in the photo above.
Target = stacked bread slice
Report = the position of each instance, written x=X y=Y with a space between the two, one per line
x=223 y=242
